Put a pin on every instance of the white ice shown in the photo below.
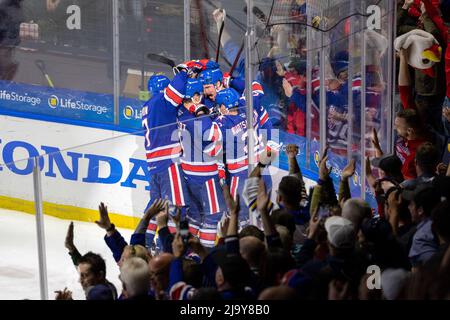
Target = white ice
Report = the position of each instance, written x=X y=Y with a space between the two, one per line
x=19 y=270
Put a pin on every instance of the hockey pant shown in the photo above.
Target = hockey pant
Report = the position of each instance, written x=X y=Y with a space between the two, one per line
x=168 y=184
x=206 y=207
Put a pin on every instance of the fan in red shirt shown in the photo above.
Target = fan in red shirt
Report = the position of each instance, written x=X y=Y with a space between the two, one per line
x=411 y=133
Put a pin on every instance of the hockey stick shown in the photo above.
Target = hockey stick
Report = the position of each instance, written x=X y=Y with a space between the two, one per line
x=222 y=27
x=258 y=13
x=41 y=66
x=238 y=56
x=161 y=59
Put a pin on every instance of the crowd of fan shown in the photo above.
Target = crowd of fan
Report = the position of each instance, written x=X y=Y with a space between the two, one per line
x=332 y=248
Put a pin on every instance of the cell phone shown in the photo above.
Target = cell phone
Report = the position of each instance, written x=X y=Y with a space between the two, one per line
x=324 y=212
x=184 y=231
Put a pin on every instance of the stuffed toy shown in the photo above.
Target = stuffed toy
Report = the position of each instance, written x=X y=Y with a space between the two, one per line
x=422 y=50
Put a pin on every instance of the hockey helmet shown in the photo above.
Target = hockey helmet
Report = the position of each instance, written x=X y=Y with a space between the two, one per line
x=157 y=83
x=211 y=76
x=193 y=86
x=228 y=97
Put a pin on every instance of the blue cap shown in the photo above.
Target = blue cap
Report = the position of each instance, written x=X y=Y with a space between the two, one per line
x=228 y=97
x=157 y=83
x=193 y=86
x=211 y=76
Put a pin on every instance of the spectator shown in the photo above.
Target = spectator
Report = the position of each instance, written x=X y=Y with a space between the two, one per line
x=159 y=275
x=356 y=211
x=135 y=277
x=390 y=166
x=92 y=270
x=253 y=251
x=426 y=162
x=342 y=263
x=409 y=128
x=422 y=199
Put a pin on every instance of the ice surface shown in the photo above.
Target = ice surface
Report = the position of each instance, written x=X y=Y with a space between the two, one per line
x=19 y=270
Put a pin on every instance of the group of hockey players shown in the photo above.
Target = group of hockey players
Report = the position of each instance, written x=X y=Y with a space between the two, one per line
x=196 y=143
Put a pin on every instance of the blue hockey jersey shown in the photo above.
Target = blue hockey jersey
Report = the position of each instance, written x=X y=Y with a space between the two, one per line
x=201 y=140
x=159 y=119
x=234 y=132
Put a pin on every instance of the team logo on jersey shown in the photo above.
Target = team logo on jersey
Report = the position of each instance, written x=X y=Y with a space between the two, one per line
x=128 y=112
x=53 y=101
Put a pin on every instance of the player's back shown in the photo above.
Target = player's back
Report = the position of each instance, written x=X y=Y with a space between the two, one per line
x=234 y=131
x=202 y=143
x=162 y=144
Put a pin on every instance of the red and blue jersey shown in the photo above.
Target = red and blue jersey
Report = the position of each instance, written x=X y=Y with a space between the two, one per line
x=159 y=119
x=263 y=123
x=234 y=132
x=201 y=139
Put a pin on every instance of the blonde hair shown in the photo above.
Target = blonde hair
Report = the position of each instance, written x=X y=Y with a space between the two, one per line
x=139 y=252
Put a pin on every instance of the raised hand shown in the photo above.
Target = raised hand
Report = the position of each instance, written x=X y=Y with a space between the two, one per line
x=292 y=151
x=69 y=239
x=224 y=226
x=280 y=70
x=155 y=208
x=177 y=217
x=63 y=295
x=349 y=170
x=178 y=248
x=235 y=206
x=288 y=89
x=104 y=221
x=324 y=171
x=313 y=227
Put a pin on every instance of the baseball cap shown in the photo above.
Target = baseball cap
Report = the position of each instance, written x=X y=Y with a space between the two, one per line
x=388 y=163
x=418 y=192
x=341 y=234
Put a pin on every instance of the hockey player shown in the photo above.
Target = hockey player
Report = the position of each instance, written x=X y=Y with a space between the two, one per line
x=202 y=144
x=234 y=128
x=157 y=84
x=162 y=145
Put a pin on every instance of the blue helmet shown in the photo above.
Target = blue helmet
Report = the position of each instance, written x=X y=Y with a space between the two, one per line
x=157 y=83
x=228 y=97
x=211 y=76
x=193 y=86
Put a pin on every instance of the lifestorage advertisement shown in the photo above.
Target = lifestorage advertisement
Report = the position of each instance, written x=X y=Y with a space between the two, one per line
x=69 y=104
